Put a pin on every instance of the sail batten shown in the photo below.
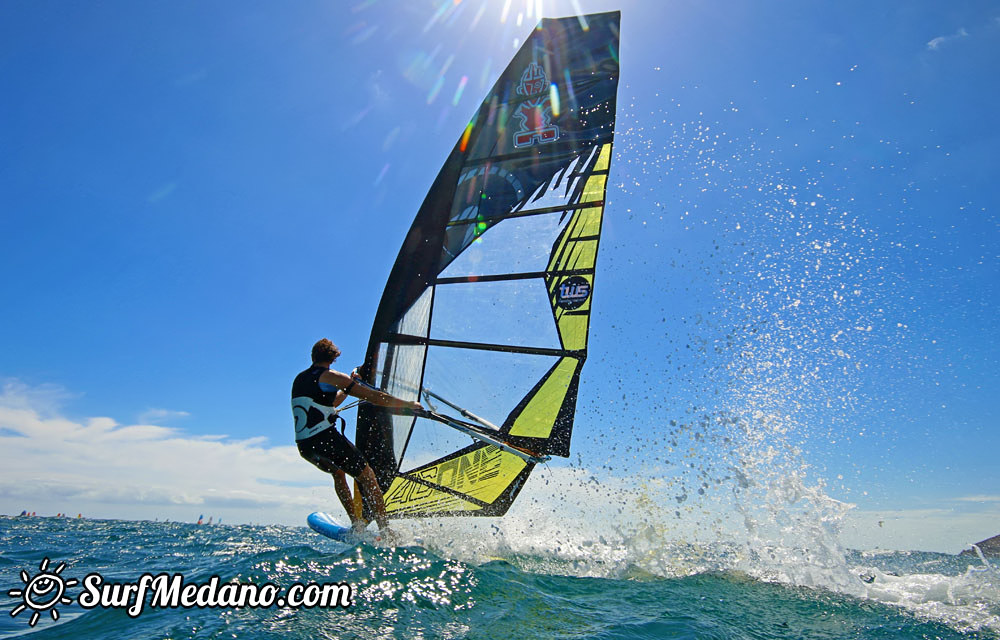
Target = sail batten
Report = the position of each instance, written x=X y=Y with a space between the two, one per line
x=489 y=300
x=531 y=212
x=402 y=338
x=555 y=149
x=511 y=276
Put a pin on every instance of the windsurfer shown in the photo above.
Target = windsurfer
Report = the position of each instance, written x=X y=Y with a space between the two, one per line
x=316 y=392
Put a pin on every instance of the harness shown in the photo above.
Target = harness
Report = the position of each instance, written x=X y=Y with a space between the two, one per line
x=312 y=407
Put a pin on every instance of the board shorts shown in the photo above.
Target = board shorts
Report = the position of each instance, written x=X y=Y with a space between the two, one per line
x=329 y=450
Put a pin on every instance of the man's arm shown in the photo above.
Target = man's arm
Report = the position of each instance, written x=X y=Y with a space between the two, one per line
x=357 y=389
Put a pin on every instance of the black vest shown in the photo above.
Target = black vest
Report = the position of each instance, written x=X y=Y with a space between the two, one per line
x=312 y=407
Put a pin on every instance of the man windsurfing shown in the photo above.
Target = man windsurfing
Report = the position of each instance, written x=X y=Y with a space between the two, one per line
x=316 y=392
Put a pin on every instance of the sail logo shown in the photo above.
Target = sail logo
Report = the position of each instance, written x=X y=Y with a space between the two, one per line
x=464 y=474
x=535 y=113
x=572 y=292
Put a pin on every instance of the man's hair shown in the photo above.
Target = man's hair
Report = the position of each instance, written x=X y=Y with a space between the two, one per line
x=325 y=351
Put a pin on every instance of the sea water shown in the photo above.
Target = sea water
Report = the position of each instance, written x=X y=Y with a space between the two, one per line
x=457 y=581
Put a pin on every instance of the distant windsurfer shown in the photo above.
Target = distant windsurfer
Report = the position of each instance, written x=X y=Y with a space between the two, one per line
x=316 y=392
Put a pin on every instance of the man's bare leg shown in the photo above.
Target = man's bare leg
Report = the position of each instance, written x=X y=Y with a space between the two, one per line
x=344 y=493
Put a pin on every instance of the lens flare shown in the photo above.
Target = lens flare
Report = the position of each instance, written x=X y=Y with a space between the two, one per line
x=506 y=10
x=465 y=138
x=459 y=90
x=435 y=89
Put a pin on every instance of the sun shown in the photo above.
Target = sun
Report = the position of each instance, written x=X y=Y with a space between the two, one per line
x=42 y=592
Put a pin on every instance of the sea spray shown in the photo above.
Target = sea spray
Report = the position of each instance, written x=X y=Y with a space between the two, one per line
x=712 y=440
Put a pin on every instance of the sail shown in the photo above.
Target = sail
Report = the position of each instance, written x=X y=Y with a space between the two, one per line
x=486 y=313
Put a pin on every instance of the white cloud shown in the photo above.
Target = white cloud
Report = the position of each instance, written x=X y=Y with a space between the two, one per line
x=937 y=42
x=45 y=398
x=105 y=469
x=156 y=416
x=980 y=498
x=50 y=463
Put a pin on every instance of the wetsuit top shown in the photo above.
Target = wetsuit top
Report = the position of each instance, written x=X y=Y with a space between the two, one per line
x=312 y=405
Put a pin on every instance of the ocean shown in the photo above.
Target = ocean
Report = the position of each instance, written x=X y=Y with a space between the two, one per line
x=478 y=585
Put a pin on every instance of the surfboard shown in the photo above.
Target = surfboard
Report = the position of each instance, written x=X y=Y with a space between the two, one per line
x=324 y=524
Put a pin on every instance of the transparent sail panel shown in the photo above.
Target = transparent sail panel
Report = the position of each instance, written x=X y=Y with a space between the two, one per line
x=416 y=320
x=488 y=194
x=429 y=441
x=512 y=312
x=491 y=191
x=488 y=191
x=401 y=426
x=487 y=383
x=401 y=379
x=516 y=245
x=563 y=188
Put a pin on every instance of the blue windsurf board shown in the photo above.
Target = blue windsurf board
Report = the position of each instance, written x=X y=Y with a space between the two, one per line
x=324 y=524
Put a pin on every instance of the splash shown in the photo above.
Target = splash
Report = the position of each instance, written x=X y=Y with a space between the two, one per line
x=760 y=338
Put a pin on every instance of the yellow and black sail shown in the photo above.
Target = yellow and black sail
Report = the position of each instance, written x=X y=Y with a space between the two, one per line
x=487 y=308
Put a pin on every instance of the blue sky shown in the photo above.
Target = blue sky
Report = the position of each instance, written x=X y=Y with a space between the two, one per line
x=191 y=194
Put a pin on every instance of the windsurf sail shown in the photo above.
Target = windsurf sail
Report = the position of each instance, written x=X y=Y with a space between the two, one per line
x=486 y=312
